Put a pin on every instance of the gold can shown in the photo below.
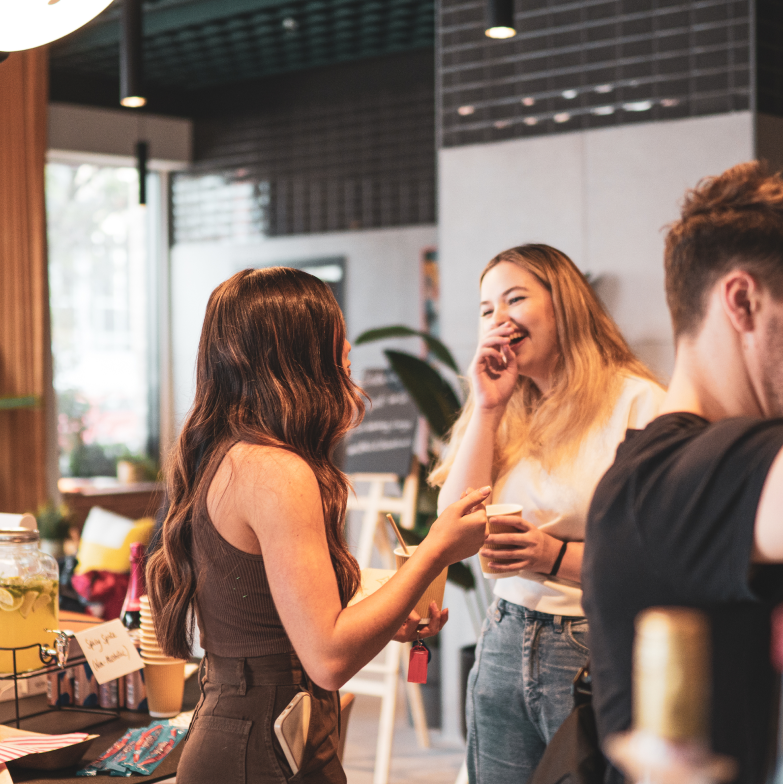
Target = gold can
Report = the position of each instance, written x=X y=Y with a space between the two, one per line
x=672 y=674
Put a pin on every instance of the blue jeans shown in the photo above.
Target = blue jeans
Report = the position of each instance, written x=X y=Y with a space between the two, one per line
x=519 y=690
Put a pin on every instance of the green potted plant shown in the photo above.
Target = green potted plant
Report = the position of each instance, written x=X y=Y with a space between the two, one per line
x=54 y=525
x=439 y=403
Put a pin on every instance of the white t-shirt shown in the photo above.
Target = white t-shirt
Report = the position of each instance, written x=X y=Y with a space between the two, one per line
x=557 y=502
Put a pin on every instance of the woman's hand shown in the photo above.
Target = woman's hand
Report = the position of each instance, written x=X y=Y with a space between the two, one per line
x=494 y=368
x=411 y=630
x=461 y=529
x=533 y=550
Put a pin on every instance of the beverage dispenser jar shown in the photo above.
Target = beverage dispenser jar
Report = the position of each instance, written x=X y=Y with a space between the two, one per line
x=29 y=581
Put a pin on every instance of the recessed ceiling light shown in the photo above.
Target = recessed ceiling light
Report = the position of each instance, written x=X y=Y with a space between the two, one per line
x=464 y=111
x=562 y=117
x=500 y=124
x=570 y=94
x=604 y=88
x=530 y=121
x=529 y=101
x=667 y=102
x=603 y=110
x=638 y=106
x=290 y=25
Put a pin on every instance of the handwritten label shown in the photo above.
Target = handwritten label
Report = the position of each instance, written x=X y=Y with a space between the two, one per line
x=109 y=650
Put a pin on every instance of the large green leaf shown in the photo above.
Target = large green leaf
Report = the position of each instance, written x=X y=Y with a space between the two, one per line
x=400 y=331
x=433 y=395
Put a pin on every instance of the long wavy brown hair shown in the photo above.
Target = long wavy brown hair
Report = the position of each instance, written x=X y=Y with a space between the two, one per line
x=269 y=372
x=593 y=358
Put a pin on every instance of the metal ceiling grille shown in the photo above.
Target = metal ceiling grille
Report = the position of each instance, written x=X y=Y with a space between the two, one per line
x=190 y=44
x=591 y=63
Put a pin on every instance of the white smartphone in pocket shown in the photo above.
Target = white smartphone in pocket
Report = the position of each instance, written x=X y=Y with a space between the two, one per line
x=291 y=728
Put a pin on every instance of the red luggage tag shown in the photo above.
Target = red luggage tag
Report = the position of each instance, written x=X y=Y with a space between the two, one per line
x=417 y=663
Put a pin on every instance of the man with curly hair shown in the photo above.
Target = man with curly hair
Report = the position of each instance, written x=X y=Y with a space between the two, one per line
x=691 y=512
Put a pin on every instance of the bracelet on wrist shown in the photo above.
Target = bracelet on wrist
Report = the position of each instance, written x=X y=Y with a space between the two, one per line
x=559 y=559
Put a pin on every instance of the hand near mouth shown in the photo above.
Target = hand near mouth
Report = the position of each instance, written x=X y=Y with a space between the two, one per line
x=494 y=367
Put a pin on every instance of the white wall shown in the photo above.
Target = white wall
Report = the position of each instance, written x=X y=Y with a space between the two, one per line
x=382 y=287
x=109 y=136
x=602 y=196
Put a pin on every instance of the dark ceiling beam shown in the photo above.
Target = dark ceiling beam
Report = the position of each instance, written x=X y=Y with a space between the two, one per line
x=163 y=18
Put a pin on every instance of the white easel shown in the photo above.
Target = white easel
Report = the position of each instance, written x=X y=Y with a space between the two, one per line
x=375 y=504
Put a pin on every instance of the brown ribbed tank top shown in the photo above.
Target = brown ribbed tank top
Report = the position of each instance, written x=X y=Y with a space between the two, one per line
x=234 y=608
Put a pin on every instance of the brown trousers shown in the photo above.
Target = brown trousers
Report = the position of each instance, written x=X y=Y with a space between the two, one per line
x=232 y=739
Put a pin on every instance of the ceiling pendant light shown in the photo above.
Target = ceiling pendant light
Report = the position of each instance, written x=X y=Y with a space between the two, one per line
x=30 y=23
x=131 y=55
x=142 y=151
x=500 y=19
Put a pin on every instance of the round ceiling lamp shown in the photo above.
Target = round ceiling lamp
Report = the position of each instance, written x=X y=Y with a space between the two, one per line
x=30 y=23
x=500 y=19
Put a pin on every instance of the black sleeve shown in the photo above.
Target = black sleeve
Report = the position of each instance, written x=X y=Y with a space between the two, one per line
x=696 y=511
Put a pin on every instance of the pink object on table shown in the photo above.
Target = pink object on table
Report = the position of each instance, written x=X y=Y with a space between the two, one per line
x=14 y=748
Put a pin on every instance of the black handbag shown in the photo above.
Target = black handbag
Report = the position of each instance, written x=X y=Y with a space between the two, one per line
x=574 y=756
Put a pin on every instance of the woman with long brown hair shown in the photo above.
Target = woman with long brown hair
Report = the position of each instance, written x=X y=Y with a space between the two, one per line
x=254 y=542
x=554 y=387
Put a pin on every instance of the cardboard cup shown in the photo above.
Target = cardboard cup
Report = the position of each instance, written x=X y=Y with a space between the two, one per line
x=494 y=510
x=157 y=658
x=165 y=684
x=434 y=591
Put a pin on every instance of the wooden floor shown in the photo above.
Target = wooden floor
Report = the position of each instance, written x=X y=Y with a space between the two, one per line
x=439 y=764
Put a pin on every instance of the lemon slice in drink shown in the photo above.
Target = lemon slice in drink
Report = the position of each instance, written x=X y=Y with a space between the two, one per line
x=8 y=601
x=27 y=603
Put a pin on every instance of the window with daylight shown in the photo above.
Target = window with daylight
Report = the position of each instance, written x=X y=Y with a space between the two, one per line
x=101 y=295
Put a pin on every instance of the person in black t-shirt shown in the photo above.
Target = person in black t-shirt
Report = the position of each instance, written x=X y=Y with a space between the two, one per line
x=691 y=512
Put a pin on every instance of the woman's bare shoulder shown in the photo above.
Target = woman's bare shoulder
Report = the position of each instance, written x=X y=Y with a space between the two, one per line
x=257 y=466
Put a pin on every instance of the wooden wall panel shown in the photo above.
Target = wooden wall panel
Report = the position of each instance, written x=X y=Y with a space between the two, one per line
x=25 y=346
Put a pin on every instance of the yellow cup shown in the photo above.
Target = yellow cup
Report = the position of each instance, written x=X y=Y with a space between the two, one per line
x=165 y=684
x=494 y=510
x=434 y=591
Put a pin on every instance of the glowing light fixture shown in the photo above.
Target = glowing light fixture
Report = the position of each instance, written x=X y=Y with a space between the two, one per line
x=34 y=23
x=131 y=55
x=500 y=19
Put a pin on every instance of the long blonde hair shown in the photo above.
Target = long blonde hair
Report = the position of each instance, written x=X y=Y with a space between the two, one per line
x=586 y=381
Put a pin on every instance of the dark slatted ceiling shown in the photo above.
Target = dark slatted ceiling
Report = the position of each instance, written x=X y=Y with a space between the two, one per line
x=193 y=44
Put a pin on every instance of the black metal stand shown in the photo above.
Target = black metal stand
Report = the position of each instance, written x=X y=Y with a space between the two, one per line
x=52 y=663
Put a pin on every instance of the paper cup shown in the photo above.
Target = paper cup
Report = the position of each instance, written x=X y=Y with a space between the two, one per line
x=493 y=510
x=434 y=591
x=165 y=685
x=157 y=659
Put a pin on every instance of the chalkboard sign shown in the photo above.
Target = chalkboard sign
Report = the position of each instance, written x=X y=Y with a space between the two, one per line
x=383 y=442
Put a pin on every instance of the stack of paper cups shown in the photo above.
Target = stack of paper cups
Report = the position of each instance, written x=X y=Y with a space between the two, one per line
x=164 y=676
